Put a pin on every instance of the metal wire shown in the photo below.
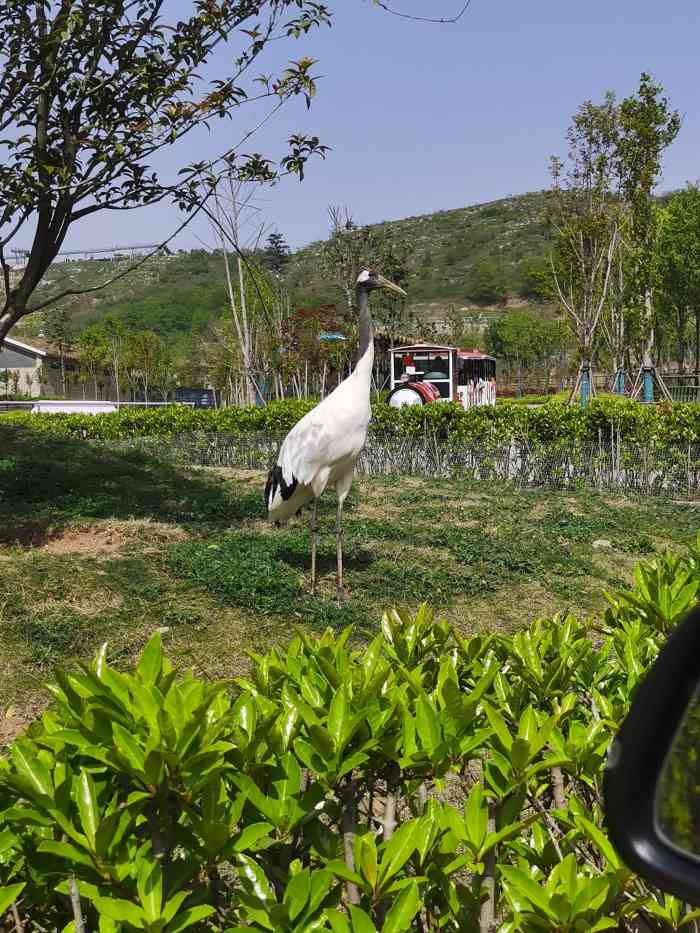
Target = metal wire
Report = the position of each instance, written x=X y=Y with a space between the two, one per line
x=669 y=470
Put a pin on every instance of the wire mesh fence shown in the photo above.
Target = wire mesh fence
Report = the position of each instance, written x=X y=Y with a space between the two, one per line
x=671 y=470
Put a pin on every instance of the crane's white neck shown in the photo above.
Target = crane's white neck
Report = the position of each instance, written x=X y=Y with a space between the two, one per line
x=366 y=336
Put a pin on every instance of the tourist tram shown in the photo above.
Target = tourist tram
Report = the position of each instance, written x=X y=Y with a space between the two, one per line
x=425 y=373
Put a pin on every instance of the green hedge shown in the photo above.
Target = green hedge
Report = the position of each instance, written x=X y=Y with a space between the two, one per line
x=630 y=421
x=423 y=782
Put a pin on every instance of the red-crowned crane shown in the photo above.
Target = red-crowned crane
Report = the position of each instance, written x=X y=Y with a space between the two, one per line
x=324 y=446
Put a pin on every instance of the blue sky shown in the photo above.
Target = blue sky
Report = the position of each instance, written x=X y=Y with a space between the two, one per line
x=424 y=117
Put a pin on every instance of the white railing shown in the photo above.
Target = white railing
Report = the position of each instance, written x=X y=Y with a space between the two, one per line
x=473 y=395
x=80 y=406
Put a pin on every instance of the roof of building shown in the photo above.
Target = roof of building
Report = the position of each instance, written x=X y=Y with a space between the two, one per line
x=39 y=346
x=14 y=344
x=464 y=354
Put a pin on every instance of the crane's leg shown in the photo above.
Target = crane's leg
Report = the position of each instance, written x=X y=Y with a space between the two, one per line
x=340 y=592
x=342 y=488
x=314 y=529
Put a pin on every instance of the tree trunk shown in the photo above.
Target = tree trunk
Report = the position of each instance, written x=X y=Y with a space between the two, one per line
x=488 y=883
x=558 y=789
x=647 y=360
x=347 y=797
x=681 y=324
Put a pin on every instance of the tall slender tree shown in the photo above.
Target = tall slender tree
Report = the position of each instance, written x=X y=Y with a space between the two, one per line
x=647 y=126
x=677 y=270
x=584 y=214
x=93 y=351
x=58 y=331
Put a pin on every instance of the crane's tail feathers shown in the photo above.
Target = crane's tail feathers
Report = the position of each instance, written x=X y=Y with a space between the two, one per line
x=277 y=490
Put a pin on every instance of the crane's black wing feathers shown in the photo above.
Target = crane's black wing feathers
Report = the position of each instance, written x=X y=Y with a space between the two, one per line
x=275 y=481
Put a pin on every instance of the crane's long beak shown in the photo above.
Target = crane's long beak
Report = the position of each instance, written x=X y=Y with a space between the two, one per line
x=390 y=287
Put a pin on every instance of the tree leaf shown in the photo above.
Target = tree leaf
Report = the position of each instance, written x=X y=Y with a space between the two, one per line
x=30 y=766
x=360 y=921
x=403 y=910
x=115 y=908
x=87 y=806
x=9 y=894
x=149 y=883
x=189 y=917
x=151 y=662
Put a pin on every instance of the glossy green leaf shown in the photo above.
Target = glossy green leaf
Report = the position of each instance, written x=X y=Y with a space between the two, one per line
x=118 y=909
x=149 y=883
x=87 y=806
x=9 y=894
x=29 y=765
x=151 y=662
x=361 y=923
x=189 y=917
x=403 y=910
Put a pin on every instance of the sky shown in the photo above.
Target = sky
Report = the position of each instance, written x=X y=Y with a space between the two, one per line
x=424 y=117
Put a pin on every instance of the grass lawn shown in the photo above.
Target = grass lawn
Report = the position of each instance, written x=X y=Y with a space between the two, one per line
x=97 y=546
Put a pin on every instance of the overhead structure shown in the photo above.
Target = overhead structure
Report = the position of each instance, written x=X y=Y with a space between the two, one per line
x=423 y=373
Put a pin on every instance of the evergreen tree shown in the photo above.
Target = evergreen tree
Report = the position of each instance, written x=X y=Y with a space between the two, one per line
x=277 y=254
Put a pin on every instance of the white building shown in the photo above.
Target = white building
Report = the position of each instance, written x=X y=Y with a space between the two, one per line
x=35 y=369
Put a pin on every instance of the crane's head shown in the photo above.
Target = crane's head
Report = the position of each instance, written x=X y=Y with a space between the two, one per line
x=371 y=279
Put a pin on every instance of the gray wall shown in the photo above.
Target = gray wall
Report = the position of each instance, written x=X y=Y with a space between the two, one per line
x=17 y=359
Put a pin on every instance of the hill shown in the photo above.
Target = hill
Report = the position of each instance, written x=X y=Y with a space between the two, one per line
x=477 y=256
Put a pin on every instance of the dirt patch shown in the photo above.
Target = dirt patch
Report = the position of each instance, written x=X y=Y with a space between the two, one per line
x=540 y=510
x=376 y=507
x=235 y=473
x=88 y=541
x=145 y=529
x=14 y=722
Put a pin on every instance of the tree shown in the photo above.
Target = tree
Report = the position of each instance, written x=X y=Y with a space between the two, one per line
x=93 y=351
x=461 y=329
x=524 y=339
x=276 y=254
x=251 y=293
x=91 y=93
x=584 y=214
x=115 y=335
x=647 y=126
x=536 y=281
x=487 y=285
x=351 y=248
x=677 y=268
x=143 y=357
x=57 y=330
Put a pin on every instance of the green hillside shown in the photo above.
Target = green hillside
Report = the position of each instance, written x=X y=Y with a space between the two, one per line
x=476 y=256
x=455 y=254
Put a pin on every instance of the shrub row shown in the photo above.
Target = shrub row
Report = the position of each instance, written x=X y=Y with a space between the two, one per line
x=423 y=782
x=555 y=421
